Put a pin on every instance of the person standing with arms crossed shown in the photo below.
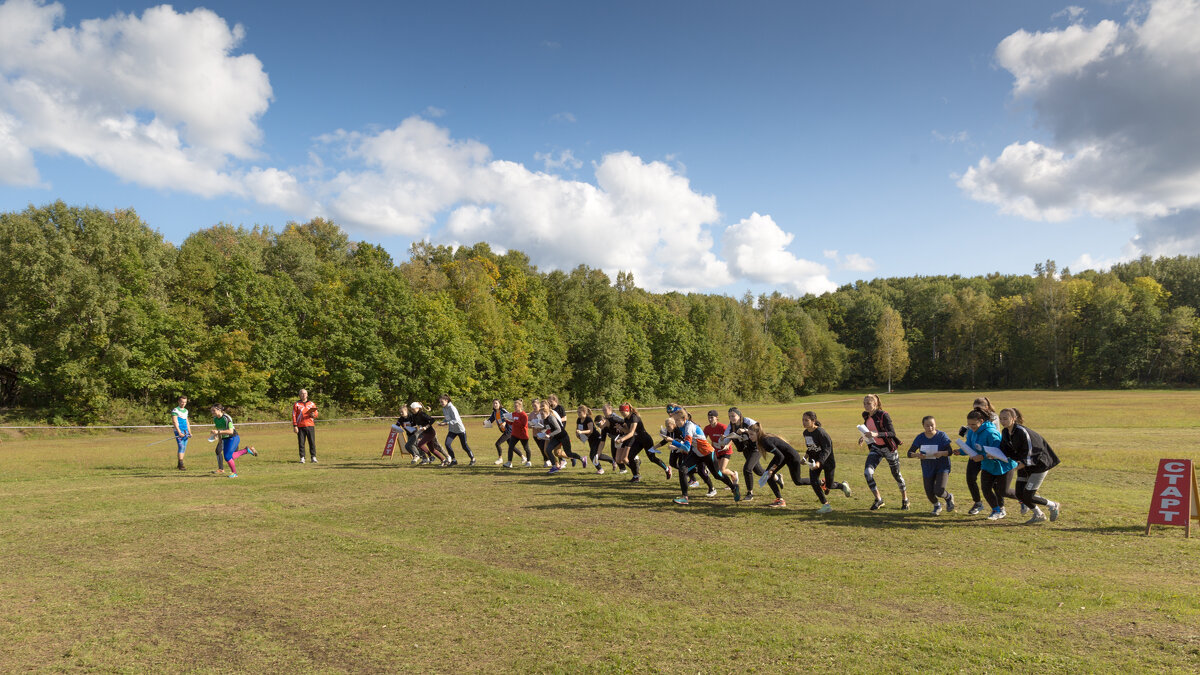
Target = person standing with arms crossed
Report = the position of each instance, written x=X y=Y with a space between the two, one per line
x=304 y=420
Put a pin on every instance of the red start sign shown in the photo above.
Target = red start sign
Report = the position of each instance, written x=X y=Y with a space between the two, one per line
x=1176 y=496
x=390 y=444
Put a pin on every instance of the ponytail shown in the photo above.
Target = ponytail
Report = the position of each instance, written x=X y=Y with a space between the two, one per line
x=812 y=416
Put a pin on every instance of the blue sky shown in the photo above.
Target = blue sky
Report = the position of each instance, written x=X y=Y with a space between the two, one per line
x=707 y=146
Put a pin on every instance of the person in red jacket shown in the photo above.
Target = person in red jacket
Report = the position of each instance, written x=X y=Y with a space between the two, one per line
x=304 y=420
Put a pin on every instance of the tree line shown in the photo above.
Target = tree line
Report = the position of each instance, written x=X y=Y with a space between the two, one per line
x=99 y=314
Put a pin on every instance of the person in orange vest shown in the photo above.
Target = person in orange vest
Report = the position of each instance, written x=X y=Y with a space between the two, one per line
x=304 y=420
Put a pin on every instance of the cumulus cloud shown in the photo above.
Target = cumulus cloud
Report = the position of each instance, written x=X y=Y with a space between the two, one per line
x=756 y=248
x=1119 y=103
x=565 y=160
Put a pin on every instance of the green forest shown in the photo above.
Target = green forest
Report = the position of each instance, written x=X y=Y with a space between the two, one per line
x=101 y=319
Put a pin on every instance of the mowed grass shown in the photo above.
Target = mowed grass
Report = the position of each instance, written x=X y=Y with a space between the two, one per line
x=113 y=561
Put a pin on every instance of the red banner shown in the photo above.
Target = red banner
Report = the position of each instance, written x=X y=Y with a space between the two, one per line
x=1176 y=496
x=390 y=445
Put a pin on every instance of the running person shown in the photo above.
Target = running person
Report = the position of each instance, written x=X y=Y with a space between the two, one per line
x=995 y=474
x=228 y=439
x=782 y=453
x=518 y=432
x=592 y=432
x=451 y=419
x=696 y=453
x=1034 y=458
x=411 y=437
x=614 y=428
x=973 y=468
x=722 y=448
x=427 y=437
x=566 y=443
x=304 y=416
x=933 y=447
x=537 y=426
x=179 y=422
x=737 y=433
x=555 y=435
x=819 y=453
x=497 y=418
x=882 y=446
x=637 y=439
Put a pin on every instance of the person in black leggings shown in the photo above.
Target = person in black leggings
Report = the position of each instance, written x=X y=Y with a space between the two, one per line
x=782 y=454
x=933 y=449
x=819 y=453
x=1034 y=457
x=737 y=433
x=497 y=418
x=638 y=439
x=593 y=432
x=984 y=405
x=694 y=454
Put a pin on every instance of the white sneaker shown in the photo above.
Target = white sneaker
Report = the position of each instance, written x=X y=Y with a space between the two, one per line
x=937 y=509
x=547 y=464
x=600 y=471
x=499 y=461
x=1038 y=517
x=694 y=483
x=624 y=470
x=845 y=491
x=301 y=460
x=712 y=492
x=507 y=465
x=314 y=460
x=417 y=460
x=1024 y=509
x=528 y=463
x=1053 y=507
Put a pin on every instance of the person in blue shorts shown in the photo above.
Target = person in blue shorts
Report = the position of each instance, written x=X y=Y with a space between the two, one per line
x=179 y=422
x=227 y=435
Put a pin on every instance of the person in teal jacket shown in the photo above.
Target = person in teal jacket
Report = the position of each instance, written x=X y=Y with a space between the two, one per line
x=996 y=474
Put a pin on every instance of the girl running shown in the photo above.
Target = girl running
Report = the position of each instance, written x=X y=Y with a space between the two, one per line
x=404 y=421
x=933 y=447
x=427 y=437
x=819 y=453
x=722 y=449
x=614 y=427
x=592 y=432
x=179 y=420
x=782 y=453
x=695 y=454
x=566 y=442
x=1034 y=458
x=995 y=474
x=451 y=419
x=973 y=468
x=497 y=418
x=227 y=437
x=737 y=434
x=539 y=430
x=637 y=439
x=882 y=446
x=518 y=432
x=555 y=435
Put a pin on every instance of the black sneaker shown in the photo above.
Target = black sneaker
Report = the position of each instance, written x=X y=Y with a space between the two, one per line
x=904 y=505
x=949 y=503
x=877 y=505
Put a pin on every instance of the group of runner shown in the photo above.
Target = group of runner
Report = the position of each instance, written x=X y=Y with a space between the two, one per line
x=1008 y=458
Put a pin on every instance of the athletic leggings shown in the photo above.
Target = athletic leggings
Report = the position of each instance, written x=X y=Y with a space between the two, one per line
x=751 y=468
x=793 y=462
x=562 y=440
x=309 y=433
x=410 y=445
x=500 y=443
x=678 y=461
x=596 y=455
x=935 y=486
x=704 y=465
x=814 y=479
x=995 y=488
x=973 y=469
x=637 y=446
x=512 y=444
x=462 y=437
x=429 y=444
x=876 y=455
x=1027 y=495
x=541 y=443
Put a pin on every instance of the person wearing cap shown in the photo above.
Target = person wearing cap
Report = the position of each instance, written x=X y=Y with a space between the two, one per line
x=428 y=437
x=304 y=420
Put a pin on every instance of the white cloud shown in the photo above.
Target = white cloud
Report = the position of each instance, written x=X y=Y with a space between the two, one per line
x=1120 y=104
x=1072 y=13
x=563 y=117
x=565 y=160
x=160 y=99
x=435 y=112
x=832 y=254
x=857 y=263
x=757 y=251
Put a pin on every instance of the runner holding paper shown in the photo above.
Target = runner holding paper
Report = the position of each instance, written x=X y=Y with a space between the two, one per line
x=995 y=474
x=933 y=447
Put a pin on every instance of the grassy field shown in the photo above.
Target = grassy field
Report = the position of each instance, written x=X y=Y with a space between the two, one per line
x=113 y=561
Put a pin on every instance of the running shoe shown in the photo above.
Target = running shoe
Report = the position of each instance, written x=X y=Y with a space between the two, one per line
x=712 y=492
x=547 y=464
x=778 y=478
x=585 y=462
x=472 y=462
x=599 y=471
x=572 y=462
x=417 y=460
x=737 y=493
x=445 y=463
x=314 y=460
x=749 y=496
x=877 y=505
x=454 y=462
x=937 y=509
x=995 y=515
x=846 y=489
x=1053 y=507
x=635 y=479
x=777 y=504
x=1003 y=512
x=668 y=473
x=499 y=461
x=1038 y=517
x=553 y=470
x=624 y=470
x=694 y=483
x=528 y=464
x=507 y=465
x=949 y=503
x=681 y=500
x=825 y=508
x=976 y=510
x=301 y=460
x=904 y=505
x=233 y=475
x=249 y=450
x=1024 y=509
